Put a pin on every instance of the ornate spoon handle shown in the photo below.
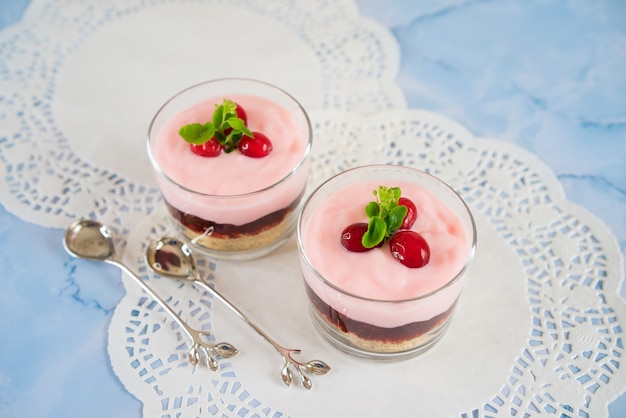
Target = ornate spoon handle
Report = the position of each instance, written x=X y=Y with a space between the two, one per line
x=200 y=350
x=315 y=367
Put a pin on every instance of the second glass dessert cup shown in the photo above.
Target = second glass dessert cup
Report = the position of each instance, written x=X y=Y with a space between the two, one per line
x=233 y=206
x=368 y=303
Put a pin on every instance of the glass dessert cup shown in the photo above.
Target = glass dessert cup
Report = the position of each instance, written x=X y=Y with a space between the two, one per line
x=233 y=206
x=351 y=301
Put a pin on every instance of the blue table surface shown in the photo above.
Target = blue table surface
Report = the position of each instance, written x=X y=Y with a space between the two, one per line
x=549 y=76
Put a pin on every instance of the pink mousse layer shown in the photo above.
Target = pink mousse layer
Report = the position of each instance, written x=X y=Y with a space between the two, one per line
x=376 y=274
x=234 y=177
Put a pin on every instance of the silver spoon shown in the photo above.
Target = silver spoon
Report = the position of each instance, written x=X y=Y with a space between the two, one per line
x=171 y=257
x=92 y=240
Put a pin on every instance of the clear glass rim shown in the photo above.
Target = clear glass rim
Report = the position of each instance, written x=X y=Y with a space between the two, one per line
x=302 y=161
x=441 y=183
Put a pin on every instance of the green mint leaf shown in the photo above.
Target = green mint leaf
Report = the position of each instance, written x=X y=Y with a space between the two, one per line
x=396 y=216
x=197 y=133
x=231 y=140
x=224 y=119
x=388 y=196
x=229 y=107
x=385 y=215
x=238 y=125
x=396 y=194
x=220 y=137
x=372 y=209
x=376 y=232
x=218 y=116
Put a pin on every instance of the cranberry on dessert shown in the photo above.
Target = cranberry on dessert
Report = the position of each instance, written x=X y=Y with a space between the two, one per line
x=410 y=248
x=352 y=235
x=211 y=148
x=411 y=214
x=258 y=146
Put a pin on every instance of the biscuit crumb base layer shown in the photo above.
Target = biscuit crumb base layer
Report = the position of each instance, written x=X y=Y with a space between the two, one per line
x=244 y=242
x=378 y=346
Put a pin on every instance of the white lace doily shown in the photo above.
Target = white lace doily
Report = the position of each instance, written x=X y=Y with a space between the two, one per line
x=81 y=80
x=538 y=331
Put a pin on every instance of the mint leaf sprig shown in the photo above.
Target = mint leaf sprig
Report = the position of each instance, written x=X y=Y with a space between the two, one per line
x=226 y=127
x=385 y=216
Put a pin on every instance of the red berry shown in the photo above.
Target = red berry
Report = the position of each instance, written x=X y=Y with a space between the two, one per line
x=241 y=114
x=351 y=237
x=211 y=148
x=258 y=146
x=411 y=214
x=410 y=248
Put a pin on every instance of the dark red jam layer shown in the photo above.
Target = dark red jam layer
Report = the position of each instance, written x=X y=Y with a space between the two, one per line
x=372 y=332
x=200 y=225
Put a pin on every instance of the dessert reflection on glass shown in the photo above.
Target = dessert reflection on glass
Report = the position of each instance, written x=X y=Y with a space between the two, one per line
x=231 y=158
x=384 y=252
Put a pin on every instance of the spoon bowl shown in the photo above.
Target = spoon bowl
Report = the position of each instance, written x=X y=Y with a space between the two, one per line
x=89 y=239
x=170 y=257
